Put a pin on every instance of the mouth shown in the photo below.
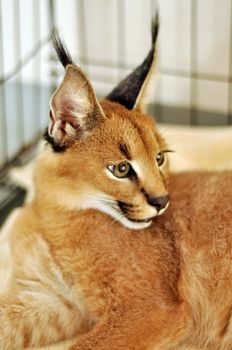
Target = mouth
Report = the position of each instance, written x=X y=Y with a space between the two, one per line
x=126 y=209
x=139 y=220
x=122 y=212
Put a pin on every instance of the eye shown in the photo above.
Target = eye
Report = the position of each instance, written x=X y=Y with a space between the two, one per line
x=160 y=158
x=120 y=170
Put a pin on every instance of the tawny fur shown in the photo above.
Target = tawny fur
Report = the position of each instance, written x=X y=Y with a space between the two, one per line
x=74 y=278
x=80 y=274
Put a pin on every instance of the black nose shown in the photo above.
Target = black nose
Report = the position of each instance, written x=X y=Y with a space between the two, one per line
x=158 y=202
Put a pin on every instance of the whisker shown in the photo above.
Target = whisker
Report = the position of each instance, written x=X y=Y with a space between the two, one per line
x=164 y=129
x=93 y=195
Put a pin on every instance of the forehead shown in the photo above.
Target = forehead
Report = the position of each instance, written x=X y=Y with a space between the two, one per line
x=132 y=129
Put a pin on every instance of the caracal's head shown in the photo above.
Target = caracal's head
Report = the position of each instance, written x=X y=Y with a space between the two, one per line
x=104 y=155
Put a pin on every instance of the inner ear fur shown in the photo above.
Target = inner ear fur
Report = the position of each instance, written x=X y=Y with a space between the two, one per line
x=133 y=90
x=74 y=108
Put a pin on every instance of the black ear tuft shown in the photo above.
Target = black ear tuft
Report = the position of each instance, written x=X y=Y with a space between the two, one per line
x=61 y=50
x=128 y=90
x=155 y=29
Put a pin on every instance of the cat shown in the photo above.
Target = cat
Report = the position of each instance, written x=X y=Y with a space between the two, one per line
x=90 y=260
x=97 y=154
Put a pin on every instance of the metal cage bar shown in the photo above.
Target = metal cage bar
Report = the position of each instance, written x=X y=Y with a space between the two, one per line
x=83 y=39
x=229 y=96
x=18 y=77
x=37 y=68
x=3 y=130
x=121 y=42
x=193 y=55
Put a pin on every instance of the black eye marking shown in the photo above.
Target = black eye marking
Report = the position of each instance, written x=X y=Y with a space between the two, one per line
x=132 y=174
x=124 y=151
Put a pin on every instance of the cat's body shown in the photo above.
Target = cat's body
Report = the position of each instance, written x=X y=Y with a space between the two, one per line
x=112 y=279
x=163 y=287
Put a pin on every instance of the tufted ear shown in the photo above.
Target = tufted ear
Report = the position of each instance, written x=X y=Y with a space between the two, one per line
x=74 y=108
x=131 y=92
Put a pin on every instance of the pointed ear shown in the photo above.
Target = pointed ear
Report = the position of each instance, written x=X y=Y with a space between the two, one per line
x=131 y=92
x=75 y=110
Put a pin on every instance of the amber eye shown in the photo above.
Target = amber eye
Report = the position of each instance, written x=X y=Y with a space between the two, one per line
x=160 y=158
x=120 y=170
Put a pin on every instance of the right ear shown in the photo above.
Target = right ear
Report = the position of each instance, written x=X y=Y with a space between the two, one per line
x=74 y=108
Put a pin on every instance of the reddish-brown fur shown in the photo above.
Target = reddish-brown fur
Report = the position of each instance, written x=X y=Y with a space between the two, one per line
x=71 y=273
x=78 y=272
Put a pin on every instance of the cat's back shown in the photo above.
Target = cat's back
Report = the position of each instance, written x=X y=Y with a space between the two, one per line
x=202 y=225
x=204 y=202
x=200 y=218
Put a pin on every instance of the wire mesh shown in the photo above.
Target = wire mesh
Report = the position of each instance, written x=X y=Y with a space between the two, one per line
x=14 y=112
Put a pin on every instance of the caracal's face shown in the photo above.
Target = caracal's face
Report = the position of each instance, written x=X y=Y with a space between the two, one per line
x=108 y=156
x=119 y=169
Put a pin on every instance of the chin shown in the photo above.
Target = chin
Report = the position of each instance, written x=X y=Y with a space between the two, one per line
x=114 y=212
x=134 y=225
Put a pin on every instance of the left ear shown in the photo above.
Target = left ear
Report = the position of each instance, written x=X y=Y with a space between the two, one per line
x=132 y=91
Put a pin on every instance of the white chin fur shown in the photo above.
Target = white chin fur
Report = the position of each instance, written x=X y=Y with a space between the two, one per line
x=123 y=220
x=92 y=203
x=136 y=225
